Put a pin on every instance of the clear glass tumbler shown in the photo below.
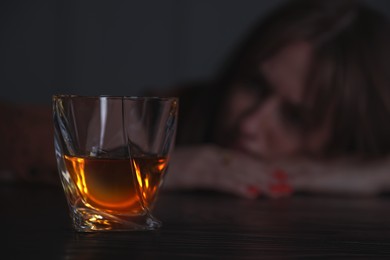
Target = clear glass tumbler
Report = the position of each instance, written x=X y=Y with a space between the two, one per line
x=112 y=155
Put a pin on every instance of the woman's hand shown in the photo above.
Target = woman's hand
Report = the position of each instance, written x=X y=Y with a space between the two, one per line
x=213 y=168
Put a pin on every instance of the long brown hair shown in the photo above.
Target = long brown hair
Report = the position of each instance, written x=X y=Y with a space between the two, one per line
x=350 y=74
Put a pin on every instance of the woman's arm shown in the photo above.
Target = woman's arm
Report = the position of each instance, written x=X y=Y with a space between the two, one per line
x=343 y=176
x=215 y=168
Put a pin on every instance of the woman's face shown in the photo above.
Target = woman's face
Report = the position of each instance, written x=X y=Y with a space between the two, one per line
x=268 y=123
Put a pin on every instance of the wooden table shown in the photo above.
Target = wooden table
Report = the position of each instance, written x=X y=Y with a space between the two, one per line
x=35 y=223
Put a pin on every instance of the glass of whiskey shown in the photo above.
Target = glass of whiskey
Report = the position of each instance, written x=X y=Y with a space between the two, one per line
x=112 y=155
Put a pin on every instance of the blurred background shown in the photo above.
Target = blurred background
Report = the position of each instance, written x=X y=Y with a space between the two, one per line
x=118 y=47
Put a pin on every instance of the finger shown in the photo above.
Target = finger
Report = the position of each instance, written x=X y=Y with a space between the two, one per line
x=238 y=188
x=279 y=185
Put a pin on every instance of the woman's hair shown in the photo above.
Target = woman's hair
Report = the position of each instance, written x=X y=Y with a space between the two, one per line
x=349 y=78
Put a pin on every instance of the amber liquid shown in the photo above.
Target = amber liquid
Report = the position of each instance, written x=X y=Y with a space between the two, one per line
x=110 y=185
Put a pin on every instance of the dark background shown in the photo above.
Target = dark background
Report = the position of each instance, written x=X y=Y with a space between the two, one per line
x=118 y=47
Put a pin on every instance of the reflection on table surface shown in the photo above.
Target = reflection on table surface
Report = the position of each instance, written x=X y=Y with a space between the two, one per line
x=202 y=225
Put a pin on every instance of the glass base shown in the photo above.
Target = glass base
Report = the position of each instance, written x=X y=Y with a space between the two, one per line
x=90 y=220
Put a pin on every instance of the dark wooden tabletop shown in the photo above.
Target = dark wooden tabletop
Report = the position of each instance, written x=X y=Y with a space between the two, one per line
x=35 y=224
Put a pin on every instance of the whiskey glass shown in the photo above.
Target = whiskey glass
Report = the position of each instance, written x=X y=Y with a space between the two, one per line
x=112 y=155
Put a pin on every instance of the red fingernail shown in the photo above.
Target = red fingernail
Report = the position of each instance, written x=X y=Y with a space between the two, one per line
x=253 y=190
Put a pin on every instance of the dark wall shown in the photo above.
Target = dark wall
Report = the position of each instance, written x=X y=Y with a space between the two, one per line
x=117 y=47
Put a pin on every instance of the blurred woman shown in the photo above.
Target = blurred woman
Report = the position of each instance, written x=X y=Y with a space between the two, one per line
x=304 y=105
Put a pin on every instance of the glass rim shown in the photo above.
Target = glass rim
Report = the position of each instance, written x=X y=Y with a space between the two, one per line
x=73 y=96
